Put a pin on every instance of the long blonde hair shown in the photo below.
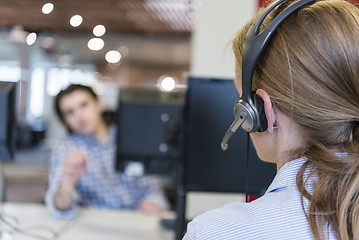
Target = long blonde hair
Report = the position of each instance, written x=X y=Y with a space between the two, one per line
x=311 y=72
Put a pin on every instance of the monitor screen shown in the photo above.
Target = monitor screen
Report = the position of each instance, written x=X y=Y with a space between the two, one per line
x=147 y=133
x=208 y=114
x=7 y=120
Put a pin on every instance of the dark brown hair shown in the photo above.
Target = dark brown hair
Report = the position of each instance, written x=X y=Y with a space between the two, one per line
x=310 y=71
x=70 y=89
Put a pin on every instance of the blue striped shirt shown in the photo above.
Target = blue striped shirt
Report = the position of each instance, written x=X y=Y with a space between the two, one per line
x=100 y=186
x=278 y=214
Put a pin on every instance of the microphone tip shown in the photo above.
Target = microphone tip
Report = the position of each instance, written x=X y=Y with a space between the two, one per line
x=224 y=146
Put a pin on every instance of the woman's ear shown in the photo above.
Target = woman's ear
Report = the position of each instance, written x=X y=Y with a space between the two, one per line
x=268 y=109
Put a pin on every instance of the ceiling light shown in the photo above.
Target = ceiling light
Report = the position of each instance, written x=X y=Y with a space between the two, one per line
x=99 y=30
x=76 y=20
x=123 y=50
x=168 y=84
x=47 y=8
x=113 y=56
x=31 y=38
x=95 y=44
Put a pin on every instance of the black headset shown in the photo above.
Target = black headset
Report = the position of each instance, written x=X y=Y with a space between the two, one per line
x=248 y=109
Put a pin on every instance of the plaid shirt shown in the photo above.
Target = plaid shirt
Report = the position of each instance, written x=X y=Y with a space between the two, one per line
x=100 y=186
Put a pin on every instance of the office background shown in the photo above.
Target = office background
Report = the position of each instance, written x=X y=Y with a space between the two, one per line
x=182 y=39
x=158 y=42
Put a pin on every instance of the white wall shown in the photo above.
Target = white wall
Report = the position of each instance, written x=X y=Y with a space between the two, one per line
x=211 y=54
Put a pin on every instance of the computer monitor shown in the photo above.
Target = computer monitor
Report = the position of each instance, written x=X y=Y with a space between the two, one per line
x=208 y=114
x=7 y=120
x=147 y=133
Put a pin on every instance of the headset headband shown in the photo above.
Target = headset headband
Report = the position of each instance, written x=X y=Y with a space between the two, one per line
x=255 y=43
x=249 y=114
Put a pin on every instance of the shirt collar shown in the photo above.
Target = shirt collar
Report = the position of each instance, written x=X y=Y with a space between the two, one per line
x=286 y=176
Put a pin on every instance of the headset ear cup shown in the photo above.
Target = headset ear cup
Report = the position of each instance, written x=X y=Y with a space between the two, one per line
x=259 y=104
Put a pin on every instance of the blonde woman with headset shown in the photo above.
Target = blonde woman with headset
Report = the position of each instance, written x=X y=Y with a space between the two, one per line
x=301 y=60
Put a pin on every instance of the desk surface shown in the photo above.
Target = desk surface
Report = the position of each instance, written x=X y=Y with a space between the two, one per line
x=89 y=224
